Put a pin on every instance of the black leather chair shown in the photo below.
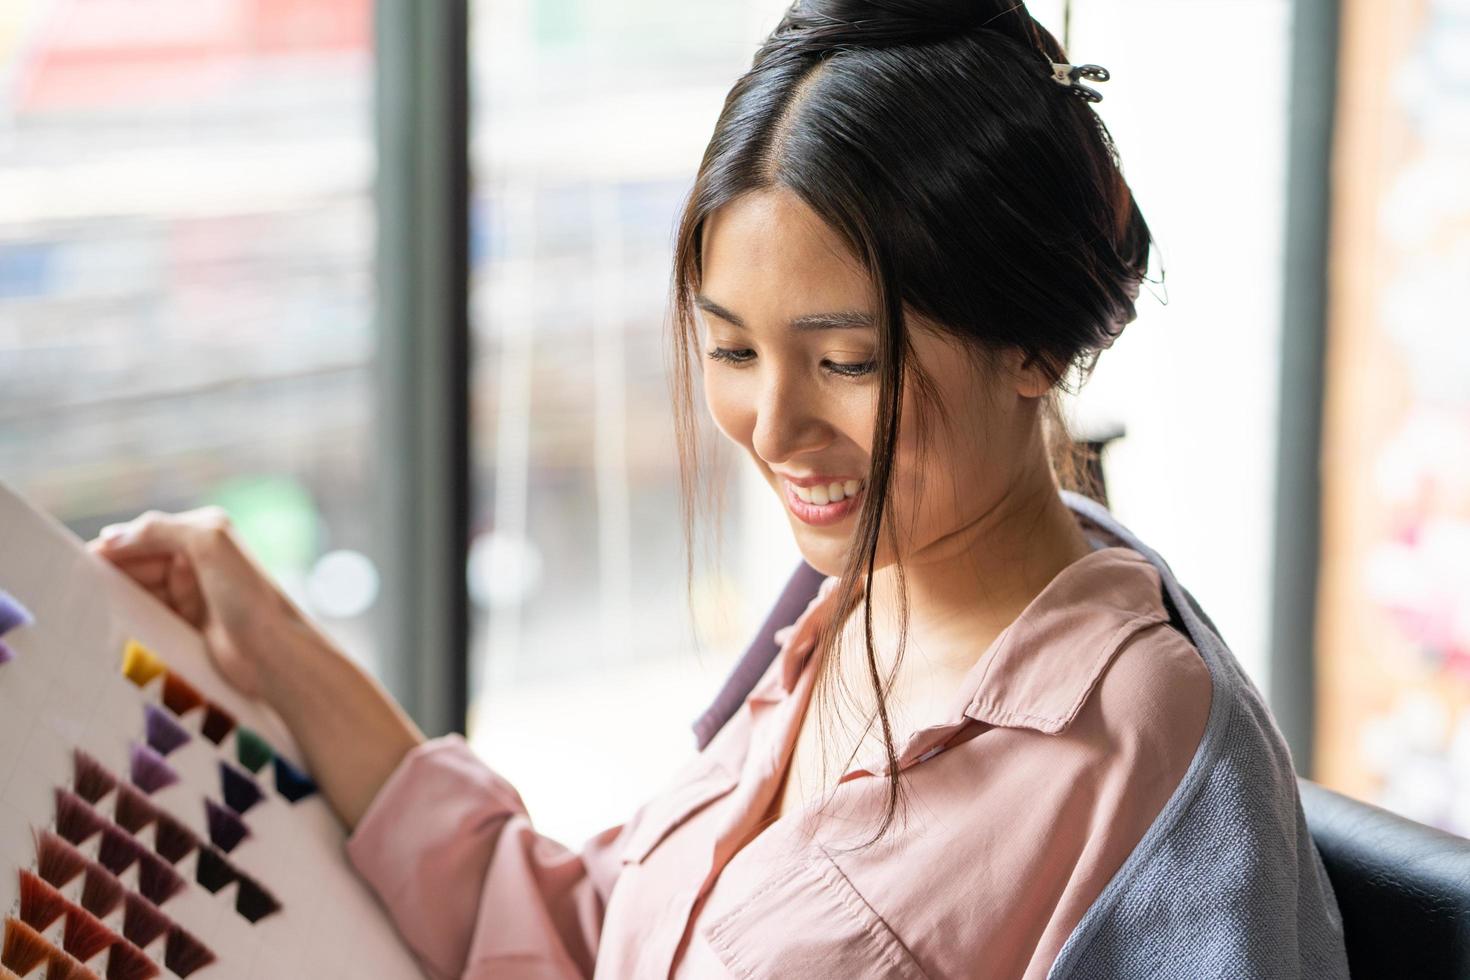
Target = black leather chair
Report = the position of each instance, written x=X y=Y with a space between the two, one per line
x=1403 y=888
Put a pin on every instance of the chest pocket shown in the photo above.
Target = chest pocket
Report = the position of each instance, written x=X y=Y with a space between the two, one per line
x=807 y=920
x=700 y=783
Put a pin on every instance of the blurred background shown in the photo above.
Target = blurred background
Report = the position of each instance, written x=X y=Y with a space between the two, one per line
x=388 y=281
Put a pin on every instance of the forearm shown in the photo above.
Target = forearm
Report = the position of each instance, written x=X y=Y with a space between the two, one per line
x=351 y=731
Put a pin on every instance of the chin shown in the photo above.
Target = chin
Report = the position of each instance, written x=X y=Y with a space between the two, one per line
x=827 y=556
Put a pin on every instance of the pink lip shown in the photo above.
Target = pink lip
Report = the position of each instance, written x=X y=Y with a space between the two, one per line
x=820 y=515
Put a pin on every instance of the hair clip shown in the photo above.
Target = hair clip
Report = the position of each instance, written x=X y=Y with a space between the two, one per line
x=1067 y=75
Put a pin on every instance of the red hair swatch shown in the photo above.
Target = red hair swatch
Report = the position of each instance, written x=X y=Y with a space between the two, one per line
x=57 y=861
x=179 y=695
x=40 y=903
x=84 y=936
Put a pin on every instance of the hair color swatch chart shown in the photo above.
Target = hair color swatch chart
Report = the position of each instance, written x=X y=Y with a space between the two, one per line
x=153 y=823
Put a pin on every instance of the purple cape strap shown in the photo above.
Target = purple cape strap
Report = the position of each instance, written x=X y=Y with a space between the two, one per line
x=800 y=589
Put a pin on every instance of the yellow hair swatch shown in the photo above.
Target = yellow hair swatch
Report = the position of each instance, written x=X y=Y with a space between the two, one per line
x=140 y=665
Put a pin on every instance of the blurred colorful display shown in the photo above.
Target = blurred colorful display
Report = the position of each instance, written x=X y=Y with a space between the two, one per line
x=1394 y=609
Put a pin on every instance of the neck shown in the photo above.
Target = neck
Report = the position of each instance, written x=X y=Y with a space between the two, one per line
x=967 y=587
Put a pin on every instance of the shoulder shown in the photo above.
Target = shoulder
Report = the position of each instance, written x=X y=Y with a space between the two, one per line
x=1153 y=701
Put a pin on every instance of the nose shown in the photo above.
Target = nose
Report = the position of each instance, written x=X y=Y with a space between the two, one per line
x=788 y=418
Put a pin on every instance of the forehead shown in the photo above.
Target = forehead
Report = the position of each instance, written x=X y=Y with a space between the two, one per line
x=768 y=252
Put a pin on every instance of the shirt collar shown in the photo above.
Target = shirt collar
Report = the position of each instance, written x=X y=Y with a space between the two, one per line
x=1041 y=669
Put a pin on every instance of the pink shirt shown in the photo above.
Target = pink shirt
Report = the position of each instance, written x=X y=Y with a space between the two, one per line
x=1065 y=740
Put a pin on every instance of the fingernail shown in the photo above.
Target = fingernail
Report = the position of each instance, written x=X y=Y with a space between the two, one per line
x=112 y=532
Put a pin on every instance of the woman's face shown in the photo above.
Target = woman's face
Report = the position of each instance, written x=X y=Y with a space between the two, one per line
x=789 y=376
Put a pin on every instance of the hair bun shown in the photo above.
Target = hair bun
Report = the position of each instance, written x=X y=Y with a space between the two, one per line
x=814 y=27
x=885 y=22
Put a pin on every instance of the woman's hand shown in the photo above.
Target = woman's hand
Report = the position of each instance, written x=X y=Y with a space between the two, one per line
x=351 y=731
x=193 y=563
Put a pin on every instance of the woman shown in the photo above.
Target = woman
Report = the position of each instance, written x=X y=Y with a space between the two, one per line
x=902 y=237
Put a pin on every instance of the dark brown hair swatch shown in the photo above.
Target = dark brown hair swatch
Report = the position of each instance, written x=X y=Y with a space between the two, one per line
x=157 y=879
x=213 y=871
x=226 y=829
x=253 y=901
x=173 y=840
x=75 y=819
x=128 y=962
x=240 y=790
x=118 y=849
x=183 y=954
x=218 y=723
x=142 y=922
x=101 y=891
x=40 y=903
x=90 y=778
x=133 y=811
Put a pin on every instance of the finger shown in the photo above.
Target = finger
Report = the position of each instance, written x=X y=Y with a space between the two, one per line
x=160 y=592
x=151 y=533
x=148 y=571
x=184 y=592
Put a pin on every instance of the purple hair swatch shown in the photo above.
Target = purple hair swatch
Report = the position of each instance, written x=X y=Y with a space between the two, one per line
x=12 y=616
x=164 y=733
x=148 y=770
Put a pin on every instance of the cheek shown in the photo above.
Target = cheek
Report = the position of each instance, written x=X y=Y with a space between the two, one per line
x=732 y=410
x=938 y=479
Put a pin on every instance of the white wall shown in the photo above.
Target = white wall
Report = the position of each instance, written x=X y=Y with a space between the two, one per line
x=1197 y=107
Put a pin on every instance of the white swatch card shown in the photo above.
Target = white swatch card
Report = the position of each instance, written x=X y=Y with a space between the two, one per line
x=280 y=900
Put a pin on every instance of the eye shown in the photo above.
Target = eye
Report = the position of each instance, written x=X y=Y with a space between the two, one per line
x=850 y=370
x=736 y=357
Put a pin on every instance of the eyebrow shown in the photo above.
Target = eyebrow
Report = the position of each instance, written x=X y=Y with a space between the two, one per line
x=843 y=320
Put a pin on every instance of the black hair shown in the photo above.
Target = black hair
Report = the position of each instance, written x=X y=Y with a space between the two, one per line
x=975 y=190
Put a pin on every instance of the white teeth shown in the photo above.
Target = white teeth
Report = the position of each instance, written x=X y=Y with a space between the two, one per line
x=829 y=494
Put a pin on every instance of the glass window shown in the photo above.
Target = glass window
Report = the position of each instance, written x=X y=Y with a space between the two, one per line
x=589 y=122
x=186 y=240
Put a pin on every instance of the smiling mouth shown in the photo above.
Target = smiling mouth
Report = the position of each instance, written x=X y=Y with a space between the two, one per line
x=830 y=493
x=824 y=503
